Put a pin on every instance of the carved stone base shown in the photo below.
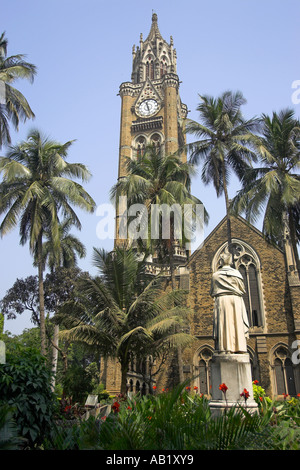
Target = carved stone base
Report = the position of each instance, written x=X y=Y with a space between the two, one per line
x=235 y=371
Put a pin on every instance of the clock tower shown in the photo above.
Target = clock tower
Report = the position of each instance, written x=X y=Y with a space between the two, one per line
x=151 y=108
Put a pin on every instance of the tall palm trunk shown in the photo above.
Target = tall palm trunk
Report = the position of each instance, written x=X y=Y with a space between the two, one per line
x=227 y=204
x=293 y=238
x=173 y=284
x=54 y=355
x=124 y=372
x=41 y=296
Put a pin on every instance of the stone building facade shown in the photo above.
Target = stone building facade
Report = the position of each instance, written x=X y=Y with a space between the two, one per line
x=152 y=112
x=272 y=304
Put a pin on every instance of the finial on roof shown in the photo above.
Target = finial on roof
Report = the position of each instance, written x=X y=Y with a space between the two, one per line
x=154 y=17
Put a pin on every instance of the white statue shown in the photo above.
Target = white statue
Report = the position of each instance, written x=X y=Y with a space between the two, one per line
x=231 y=324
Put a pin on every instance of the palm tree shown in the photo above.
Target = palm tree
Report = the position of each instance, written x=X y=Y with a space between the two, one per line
x=70 y=248
x=224 y=142
x=63 y=258
x=154 y=180
x=122 y=316
x=273 y=188
x=13 y=105
x=36 y=190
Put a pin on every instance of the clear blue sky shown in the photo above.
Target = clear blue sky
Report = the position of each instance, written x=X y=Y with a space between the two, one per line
x=82 y=50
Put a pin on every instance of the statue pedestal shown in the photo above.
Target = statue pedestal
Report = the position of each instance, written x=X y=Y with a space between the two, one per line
x=235 y=371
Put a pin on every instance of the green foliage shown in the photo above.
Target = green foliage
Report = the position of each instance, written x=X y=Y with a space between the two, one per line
x=9 y=433
x=25 y=385
x=286 y=435
x=118 y=315
x=259 y=394
x=99 y=390
x=176 y=421
x=77 y=383
x=1 y=325
x=16 y=107
x=179 y=420
x=83 y=435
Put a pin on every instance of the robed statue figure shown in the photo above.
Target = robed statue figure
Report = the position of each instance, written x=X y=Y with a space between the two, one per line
x=230 y=323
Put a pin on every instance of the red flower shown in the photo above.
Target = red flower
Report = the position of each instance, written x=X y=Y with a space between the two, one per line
x=195 y=388
x=245 y=394
x=154 y=387
x=285 y=395
x=255 y=382
x=188 y=388
x=261 y=398
x=223 y=387
x=129 y=408
x=298 y=395
x=116 y=407
x=163 y=390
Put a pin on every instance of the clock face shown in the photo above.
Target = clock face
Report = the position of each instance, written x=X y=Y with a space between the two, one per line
x=148 y=107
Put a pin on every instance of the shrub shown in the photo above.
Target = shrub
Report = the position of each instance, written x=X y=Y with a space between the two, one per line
x=25 y=385
x=77 y=384
x=9 y=433
x=103 y=394
x=178 y=421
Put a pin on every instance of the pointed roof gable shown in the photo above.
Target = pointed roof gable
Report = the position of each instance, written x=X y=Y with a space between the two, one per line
x=240 y=220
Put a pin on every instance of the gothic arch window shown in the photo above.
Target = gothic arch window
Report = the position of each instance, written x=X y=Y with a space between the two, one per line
x=163 y=66
x=150 y=68
x=140 y=145
x=283 y=372
x=203 y=367
x=248 y=263
x=156 y=141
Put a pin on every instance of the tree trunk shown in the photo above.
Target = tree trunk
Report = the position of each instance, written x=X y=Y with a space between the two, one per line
x=41 y=297
x=124 y=371
x=54 y=356
x=173 y=284
x=229 y=240
x=293 y=238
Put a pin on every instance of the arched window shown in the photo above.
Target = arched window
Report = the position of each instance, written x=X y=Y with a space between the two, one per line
x=283 y=372
x=140 y=146
x=150 y=68
x=163 y=66
x=247 y=262
x=156 y=141
x=203 y=366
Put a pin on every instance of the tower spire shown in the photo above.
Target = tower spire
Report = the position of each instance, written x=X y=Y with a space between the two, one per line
x=154 y=31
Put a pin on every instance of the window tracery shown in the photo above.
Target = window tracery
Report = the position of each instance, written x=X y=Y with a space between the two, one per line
x=284 y=379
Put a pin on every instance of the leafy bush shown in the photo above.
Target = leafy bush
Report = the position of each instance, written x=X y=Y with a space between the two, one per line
x=25 y=386
x=77 y=384
x=84 y=435
x=178 y=421
x=99 y=390
x=9 y=433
